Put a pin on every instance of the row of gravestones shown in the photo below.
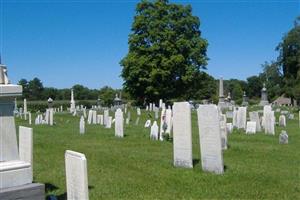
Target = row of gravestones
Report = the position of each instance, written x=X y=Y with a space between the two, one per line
x=210 y=144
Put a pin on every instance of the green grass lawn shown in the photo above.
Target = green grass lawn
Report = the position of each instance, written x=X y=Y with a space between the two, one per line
x=256 y=166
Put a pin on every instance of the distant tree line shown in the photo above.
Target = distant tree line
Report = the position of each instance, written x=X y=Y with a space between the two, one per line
x=33 y=90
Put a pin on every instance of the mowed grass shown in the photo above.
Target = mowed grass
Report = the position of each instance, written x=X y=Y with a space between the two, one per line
x=134 y=167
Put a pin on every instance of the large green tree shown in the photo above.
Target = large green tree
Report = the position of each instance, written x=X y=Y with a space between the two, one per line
x=166 y=51
x=36 y=88
x=289 y=60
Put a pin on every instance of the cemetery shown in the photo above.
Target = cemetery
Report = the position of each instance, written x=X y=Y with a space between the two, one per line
x=154 y=144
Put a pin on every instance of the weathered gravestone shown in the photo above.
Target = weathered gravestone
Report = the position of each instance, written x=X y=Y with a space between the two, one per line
x=109 y=122
x=223 y=126
x=283 y=138
x=154 y=131
x=182 y=135
x=51 y=116
x=101 y=120
x=76 y=176
x=148 y=123
x=82 y=125
x=90 y=116
x=234 y=118
x=210 y=139
x=282 y=120
x=229 y=128
x=29 y=118
x=254 y=117
x=25 y=109
x=269 y=120
x=105 y=116
x=242 y=118
x=94 y=118
x=251 y=127
x=119 y=123
x=138 y=111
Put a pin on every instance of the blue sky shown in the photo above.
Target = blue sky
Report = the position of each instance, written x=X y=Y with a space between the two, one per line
x=68 y=42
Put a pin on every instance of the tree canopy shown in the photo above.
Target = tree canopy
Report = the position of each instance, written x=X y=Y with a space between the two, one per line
x=166 y=51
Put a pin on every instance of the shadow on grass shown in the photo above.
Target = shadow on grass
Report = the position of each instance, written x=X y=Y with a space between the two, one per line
x=50 y=188
x=225 y=168
x=196 y=162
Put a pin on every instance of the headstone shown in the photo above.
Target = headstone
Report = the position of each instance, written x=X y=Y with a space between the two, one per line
x=223 y=128
x=234 y=118
x=25 y=109
x=148 y=123
x=90 y=116
x=154 y=131
x=163 y=123
x=26 y=144
x=210 y=139
x=47 y=116
x=138 y=110
x=105 y=116
x=76 y=176
x=119 y=123
x=254 y=117
x=182 y=135
x=291 y=116
x=29 y=118
x=94 y=118
x=82 y=125
x=282 y=120
x=51 y=116
x=169 y=120
x=269 y=120
x=251 y=127
x=101 y=120
x=283 y=138
x=156 y=112
x=109 y=122
x=229 y=128
x=242 y=118
x=160 y=103
x=229 y=114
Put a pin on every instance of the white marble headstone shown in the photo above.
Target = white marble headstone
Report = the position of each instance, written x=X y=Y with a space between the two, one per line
x=82 y=125
x=119 y=123
x=251 y=127
x=182 y=135
x=254 y=117
x=148 y=123
x=210 y=139
x=76 y=176
x=154 y=131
